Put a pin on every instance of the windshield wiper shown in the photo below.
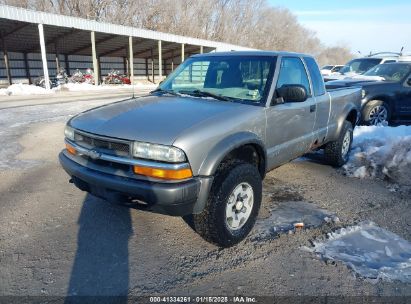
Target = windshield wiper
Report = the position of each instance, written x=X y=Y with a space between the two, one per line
x=162 y=91
x=200 y=93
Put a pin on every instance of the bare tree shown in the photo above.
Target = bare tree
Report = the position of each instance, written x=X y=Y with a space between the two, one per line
x=252 y=23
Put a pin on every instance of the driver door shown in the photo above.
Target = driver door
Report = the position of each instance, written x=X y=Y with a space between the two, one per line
x=290 y=125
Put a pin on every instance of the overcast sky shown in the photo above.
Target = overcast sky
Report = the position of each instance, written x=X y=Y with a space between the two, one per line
x=364 y=25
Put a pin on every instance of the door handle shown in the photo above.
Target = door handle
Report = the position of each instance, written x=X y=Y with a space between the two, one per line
x=313 y=108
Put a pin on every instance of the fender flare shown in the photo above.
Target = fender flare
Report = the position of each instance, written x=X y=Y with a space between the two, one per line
x=210 y=164
x=346 y=111
x=216 y=155
x=388 y=99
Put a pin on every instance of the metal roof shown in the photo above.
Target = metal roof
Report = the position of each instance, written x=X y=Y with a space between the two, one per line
x=254 y=53
x=11 y=18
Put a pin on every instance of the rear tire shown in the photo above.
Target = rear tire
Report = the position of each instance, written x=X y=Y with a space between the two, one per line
x=232 y=206
x=336 y=152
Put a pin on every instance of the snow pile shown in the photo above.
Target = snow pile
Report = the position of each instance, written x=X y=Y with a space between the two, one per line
x=365 y=77
x=24 y=89
x=76 y=87
x=371 y=251
x=381 y=152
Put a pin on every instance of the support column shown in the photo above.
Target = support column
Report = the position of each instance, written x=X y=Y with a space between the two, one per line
x=131 y=59
x=94 y=56
x=148 y=78
x=100 y=69
x=201 y=49
x=182 y=52
x=152 y=66
x=26 y=67
x=160 y=61
x=44 y=57
x=172 y=61
x=6 y=59
x=56 y=51
x=66 y=63
x=125 y=66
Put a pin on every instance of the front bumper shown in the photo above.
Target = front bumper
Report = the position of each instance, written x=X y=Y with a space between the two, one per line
x=176 y=199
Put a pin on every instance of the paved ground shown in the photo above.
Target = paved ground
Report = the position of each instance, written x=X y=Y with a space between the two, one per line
x=65 y=96
x=57 y=240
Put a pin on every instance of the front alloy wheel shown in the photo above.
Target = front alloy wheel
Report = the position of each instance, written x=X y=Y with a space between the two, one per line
x=378 y=116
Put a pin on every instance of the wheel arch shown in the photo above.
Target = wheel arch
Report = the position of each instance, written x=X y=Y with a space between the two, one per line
x=351 y=114
x=244 y=145
x=384 y=98
x=352 y=117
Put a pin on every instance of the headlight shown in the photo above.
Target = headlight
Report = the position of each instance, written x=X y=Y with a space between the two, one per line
x=363 y=93
x=69 y=132
x=158 y=152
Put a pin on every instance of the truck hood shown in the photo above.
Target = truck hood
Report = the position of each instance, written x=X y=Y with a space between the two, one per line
x=153 y=119
x=350 y=82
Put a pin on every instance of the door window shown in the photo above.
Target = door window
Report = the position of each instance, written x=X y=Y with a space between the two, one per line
x=292 y=71
x=316 y=79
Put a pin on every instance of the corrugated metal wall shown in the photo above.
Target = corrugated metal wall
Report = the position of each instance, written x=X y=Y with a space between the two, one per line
x=35 y=66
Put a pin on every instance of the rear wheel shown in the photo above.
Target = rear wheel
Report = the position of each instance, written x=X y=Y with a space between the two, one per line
x=336 y=152
x=232 y=207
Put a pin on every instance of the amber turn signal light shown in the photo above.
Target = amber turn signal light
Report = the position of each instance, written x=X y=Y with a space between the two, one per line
x=71 y=149
x=163 y=173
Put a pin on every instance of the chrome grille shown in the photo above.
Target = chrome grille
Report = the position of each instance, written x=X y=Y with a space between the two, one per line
x=112 y=147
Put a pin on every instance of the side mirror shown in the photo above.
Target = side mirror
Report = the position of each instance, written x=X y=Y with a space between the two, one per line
x=292 y=93
x=409 y=81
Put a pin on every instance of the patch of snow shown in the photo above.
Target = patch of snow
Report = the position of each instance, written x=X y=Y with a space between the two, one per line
x=365 y=77
x=287 y=214
x=371 y=251
x=381 y=152
x=339 y=76
x=75 y=87
x=24 y=89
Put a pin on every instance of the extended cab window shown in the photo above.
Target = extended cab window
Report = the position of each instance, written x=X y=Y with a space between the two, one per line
x=316 y=78
x=292 y=71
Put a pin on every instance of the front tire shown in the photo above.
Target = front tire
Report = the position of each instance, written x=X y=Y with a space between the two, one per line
x=232 y=207
x=336 y=152
x=376 y=113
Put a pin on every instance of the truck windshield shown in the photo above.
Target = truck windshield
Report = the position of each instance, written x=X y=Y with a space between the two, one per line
x=231 y=78
x=390 y=71
x=360 y=65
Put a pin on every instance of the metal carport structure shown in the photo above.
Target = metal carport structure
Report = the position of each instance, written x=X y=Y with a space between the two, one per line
x=28 y=32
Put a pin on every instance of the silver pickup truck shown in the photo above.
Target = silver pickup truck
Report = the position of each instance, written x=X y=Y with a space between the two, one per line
x=200 y=144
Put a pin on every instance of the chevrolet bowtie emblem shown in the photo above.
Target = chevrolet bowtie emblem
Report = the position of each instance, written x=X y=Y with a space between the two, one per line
x=93 y=154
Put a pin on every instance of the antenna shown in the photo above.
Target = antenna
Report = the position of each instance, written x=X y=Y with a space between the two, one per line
x=402 y=48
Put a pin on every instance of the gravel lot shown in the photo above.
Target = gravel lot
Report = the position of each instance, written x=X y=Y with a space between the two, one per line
x=57 y=240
